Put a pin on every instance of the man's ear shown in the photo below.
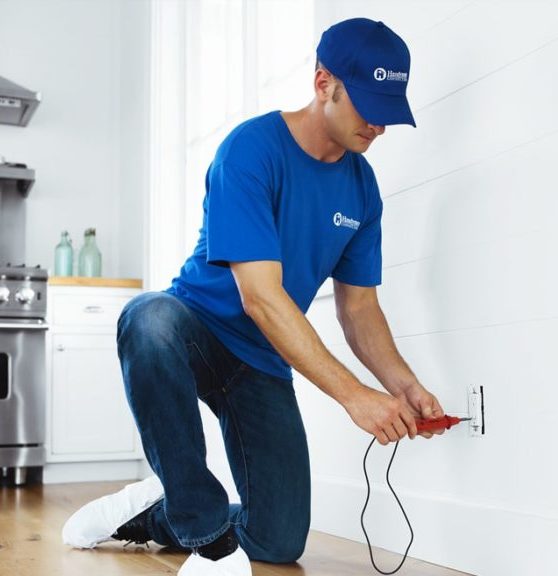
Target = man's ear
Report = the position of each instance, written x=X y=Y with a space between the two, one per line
x=324 y=84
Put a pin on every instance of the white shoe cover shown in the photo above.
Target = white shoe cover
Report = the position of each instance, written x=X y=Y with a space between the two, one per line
x=98 y=520
x=236 y=564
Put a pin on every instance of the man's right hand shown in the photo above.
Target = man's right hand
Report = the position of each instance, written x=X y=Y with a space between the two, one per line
x=382 y=415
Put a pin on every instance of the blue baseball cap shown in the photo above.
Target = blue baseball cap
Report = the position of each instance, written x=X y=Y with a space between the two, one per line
x=373 y=63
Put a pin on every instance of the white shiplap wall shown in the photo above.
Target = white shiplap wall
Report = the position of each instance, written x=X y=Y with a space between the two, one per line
x=469 y=290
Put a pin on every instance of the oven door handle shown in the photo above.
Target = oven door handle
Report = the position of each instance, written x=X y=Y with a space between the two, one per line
x=16 y=326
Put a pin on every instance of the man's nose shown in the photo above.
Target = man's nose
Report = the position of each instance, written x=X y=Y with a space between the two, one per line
x=378 y=130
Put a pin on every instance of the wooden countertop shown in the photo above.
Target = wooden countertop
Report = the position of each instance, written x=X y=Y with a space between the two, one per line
x=102 y=282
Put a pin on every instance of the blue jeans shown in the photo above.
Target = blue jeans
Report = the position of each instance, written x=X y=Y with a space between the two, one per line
x=169 y=359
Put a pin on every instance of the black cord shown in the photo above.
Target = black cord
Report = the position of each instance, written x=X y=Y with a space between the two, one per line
x=366 y=504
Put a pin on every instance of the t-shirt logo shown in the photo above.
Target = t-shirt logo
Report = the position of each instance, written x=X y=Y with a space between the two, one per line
x=341 y=220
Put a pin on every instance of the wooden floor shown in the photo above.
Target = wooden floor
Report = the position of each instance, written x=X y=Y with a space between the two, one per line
x=31 y=520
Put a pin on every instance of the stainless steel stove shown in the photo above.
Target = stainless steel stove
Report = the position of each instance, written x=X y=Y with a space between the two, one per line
x=22 y=291
x=23 y=299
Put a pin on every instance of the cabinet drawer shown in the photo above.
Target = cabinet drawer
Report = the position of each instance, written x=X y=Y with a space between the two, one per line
x=87 y=310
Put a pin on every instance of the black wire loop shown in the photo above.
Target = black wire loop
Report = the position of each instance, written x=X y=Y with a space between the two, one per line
x=366 y=504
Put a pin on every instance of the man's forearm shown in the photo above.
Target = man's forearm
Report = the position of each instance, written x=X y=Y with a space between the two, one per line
x=368 y=334
x=268 y=304
x=290 y=333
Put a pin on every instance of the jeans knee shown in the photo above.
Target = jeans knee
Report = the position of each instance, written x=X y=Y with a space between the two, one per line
x=288 y=549
x=147 y=319
x=284 y=554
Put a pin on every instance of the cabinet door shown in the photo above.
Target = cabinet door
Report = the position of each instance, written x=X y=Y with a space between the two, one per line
x=91 y=419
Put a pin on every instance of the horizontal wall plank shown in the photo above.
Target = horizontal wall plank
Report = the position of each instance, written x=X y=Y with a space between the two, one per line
x=479 y=40
x=484 y=119
x=508 y=195
x=499 y=282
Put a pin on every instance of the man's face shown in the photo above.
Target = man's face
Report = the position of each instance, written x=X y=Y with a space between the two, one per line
x=344 y=124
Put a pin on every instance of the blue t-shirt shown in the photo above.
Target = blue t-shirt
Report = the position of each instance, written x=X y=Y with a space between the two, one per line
x=267 y=199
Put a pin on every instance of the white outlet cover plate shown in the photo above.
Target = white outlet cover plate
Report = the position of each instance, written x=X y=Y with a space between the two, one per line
x=475 y=410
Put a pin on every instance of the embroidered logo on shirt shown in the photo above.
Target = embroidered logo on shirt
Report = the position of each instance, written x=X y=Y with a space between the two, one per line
x=341 y=220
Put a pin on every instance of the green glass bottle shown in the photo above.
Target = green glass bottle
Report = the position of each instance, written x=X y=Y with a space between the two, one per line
x=90 y=260
x=64 y=256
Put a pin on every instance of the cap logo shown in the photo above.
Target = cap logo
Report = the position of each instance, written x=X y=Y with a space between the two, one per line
x=381 y=74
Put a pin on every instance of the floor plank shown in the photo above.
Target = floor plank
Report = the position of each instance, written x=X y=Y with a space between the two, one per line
x=31 y=520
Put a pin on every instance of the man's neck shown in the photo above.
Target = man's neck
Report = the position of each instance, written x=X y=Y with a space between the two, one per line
x=307 y=127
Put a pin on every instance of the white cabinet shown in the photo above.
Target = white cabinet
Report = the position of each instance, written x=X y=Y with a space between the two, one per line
x=88 y=418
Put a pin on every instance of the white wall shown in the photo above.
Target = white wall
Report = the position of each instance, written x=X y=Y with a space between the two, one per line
x=469 y=290
x=89 y=59
x=135 y=56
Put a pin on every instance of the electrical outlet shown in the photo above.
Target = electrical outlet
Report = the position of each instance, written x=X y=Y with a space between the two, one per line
x=476 y=410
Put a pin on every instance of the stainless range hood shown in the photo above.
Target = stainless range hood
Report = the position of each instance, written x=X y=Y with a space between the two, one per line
x=17 y=104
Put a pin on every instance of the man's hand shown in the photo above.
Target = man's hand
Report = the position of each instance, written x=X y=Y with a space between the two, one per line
x=385 y=416
x=368 y=334
x=422 y=404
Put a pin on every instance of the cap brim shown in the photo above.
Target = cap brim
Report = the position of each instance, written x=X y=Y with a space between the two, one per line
x=381 y=109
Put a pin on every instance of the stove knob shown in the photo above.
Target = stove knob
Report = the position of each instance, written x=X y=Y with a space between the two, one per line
x=4 y=294
x=25 y=295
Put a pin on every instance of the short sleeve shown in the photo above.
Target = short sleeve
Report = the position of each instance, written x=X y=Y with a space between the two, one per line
x=361 y=261
x=240 y=221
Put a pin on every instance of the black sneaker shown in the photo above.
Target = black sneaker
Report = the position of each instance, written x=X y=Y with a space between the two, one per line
x=135 y=530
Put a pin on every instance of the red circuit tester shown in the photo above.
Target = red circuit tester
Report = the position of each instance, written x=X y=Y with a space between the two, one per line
x=438 y=423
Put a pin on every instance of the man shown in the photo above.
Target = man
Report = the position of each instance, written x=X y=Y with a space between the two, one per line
x=290 y=201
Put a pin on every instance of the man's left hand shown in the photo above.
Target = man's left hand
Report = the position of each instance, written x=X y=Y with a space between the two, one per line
x=422 y=404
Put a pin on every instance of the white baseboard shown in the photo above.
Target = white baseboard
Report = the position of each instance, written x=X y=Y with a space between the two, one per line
x=57 y=473
x=479 y=539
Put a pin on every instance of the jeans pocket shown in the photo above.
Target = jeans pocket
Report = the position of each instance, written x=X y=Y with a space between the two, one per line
x=204 y=374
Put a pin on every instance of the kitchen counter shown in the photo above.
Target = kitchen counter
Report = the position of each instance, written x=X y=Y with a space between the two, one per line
x=100 y=281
